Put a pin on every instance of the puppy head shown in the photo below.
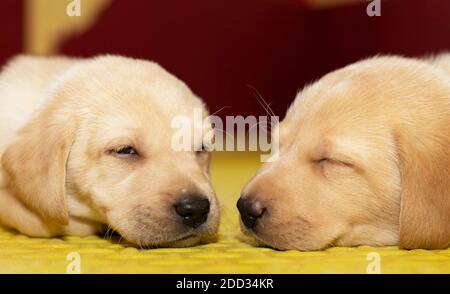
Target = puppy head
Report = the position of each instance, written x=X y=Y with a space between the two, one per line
x=357 y=164
x=104 y=141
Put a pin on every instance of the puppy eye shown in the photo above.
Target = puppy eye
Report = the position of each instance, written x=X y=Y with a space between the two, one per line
x=323 y=160
x=326 y=160
x=125 y=151
x=323 y=163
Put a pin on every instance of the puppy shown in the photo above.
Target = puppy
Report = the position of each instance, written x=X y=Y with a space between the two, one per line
x=364 y=159
x=87 y=142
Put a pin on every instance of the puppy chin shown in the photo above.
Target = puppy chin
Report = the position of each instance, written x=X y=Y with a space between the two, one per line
x=178 y=242
x=252 y=238
x=259 y=239
x=256 y=240
x=183 y=242
x=190 y=240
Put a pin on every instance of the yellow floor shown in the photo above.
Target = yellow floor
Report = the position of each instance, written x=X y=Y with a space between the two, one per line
x=20 y=254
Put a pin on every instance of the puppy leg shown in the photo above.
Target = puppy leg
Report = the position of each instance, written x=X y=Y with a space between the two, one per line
x=14 y=214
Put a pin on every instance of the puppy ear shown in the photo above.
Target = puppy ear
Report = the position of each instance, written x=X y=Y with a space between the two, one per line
x=425 y=197
x=35 y=163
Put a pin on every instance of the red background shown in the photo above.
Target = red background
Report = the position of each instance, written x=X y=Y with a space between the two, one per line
x=220 y=47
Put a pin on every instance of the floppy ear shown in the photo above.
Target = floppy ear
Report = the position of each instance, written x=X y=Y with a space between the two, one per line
x=425 y=197
x=35 y=163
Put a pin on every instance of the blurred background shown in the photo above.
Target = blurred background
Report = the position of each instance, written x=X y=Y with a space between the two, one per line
x=224 y=48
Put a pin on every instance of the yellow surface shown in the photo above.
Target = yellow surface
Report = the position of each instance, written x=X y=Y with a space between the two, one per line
x=20 y=254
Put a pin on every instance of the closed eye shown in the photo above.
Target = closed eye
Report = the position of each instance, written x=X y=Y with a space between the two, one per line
x=322 y=160
x=126 y=151
x=327 y=160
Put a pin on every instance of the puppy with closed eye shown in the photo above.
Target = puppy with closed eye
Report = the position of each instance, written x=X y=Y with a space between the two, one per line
x=364 y=159
x=87 y=142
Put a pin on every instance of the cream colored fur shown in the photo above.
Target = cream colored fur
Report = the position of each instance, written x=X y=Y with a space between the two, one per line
x=364 y=160
x=61 y=118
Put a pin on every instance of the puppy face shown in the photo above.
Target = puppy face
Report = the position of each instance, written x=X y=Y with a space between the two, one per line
x=109 y=126
x=348 y=157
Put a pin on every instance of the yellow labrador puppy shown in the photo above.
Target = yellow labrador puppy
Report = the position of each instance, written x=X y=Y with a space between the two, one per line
x=87 y=142
x=364 y=160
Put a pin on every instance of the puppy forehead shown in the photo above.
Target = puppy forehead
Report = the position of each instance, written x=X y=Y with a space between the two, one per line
x=133 y=129
x=141 y=114
x=146 y=127
x=328 y=131
x=125 y=98
x=110 y=81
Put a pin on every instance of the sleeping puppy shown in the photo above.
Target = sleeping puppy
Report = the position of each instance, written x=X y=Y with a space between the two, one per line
x=87 y=142
x=364 y=160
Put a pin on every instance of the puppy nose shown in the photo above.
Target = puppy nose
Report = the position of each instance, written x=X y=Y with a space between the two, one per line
x=250 y=211
x=193 y=209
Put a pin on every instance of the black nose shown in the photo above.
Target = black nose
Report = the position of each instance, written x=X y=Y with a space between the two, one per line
x=193 y=209
x=250 y=211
